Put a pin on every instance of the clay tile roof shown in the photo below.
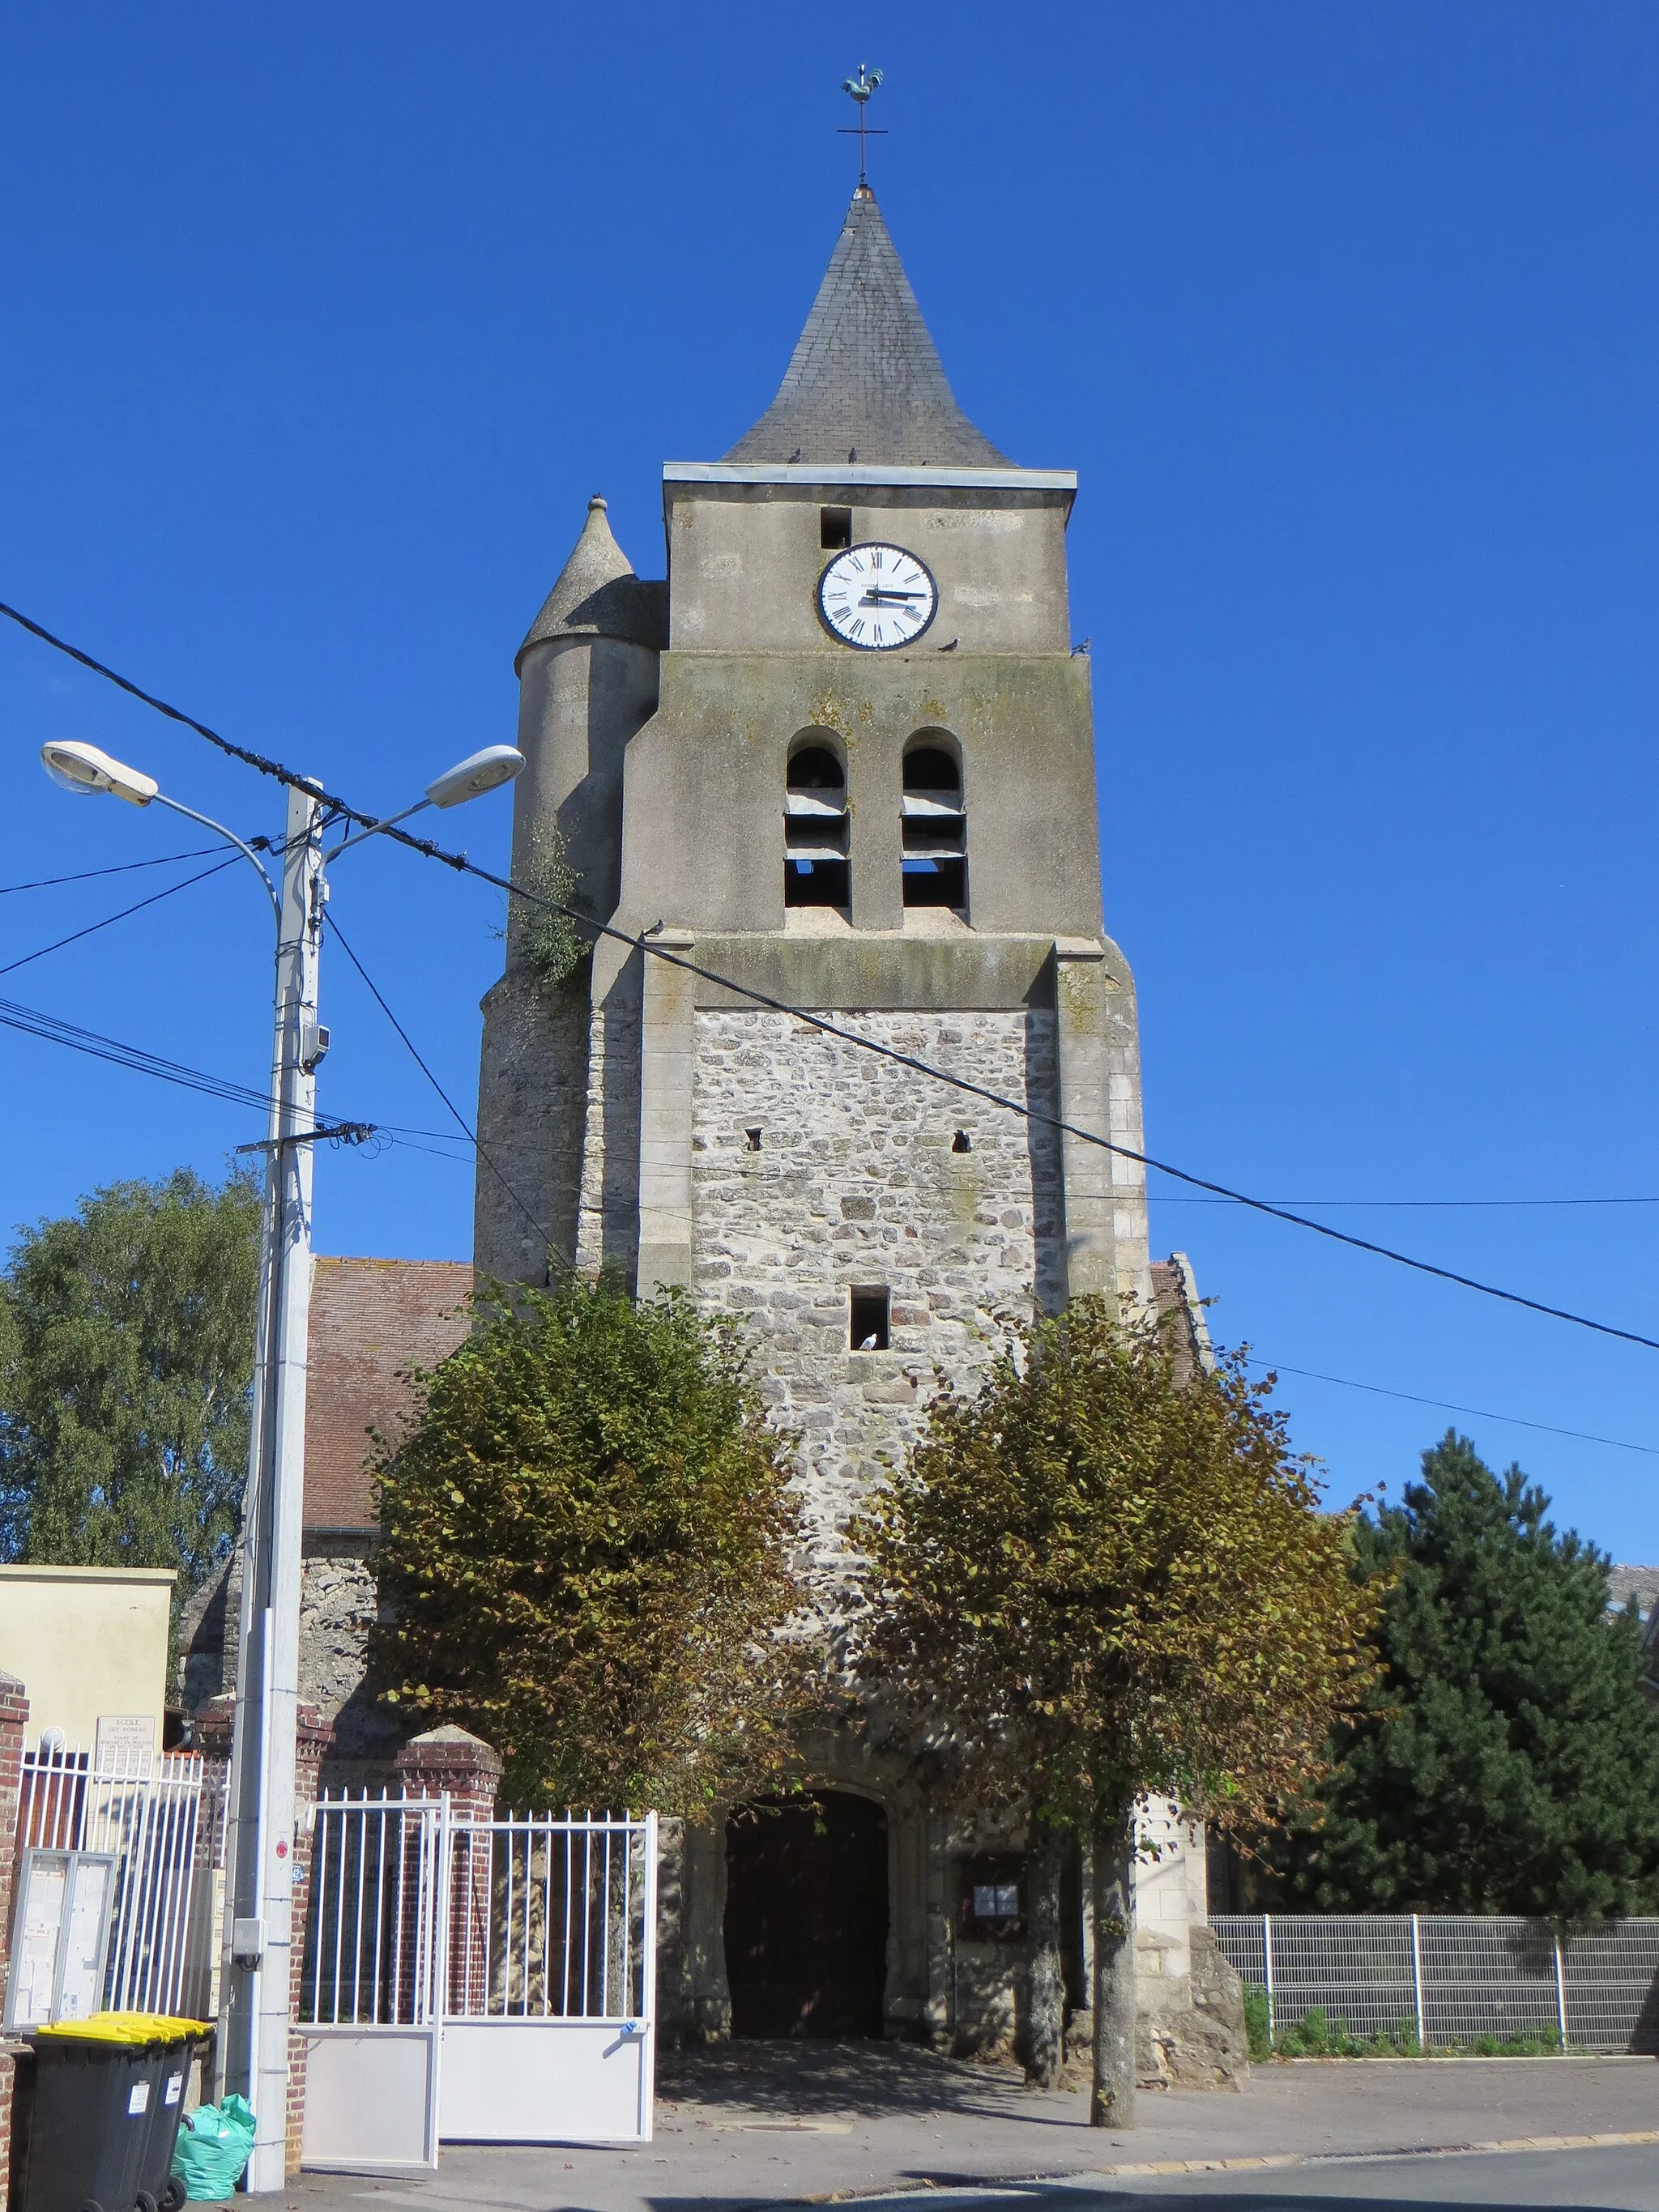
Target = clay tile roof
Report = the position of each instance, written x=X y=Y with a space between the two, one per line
x=866 y=378
x=370 y=1320
x=1641 y=1584
x=1175 y=1293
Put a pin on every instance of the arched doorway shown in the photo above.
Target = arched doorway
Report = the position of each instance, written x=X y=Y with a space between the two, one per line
x=806 y=1916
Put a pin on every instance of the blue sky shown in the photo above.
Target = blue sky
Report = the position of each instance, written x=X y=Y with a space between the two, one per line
x=321 y=326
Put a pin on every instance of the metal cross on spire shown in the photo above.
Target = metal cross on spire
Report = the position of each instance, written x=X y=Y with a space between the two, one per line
x=860 y=88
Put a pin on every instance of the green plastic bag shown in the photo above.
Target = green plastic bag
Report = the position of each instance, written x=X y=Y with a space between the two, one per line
x=214 y=2143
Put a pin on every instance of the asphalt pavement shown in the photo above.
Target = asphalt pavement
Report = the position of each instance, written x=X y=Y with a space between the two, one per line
x=749 y=2127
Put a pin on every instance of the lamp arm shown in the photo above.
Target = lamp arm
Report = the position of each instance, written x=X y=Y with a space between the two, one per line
x=219 y=830
x=386 y=825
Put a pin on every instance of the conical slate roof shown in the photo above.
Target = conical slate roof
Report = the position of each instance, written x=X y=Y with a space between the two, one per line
x=866 y=382
x=597 y=594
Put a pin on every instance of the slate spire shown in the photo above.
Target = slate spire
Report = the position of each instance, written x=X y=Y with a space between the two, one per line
x=865 y=380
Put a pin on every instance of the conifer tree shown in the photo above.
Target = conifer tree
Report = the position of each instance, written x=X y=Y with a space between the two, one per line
x=126 y=1352
x=1511 y=1761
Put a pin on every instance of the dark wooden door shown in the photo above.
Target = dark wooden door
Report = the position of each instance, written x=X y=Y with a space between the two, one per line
x=806 y=1917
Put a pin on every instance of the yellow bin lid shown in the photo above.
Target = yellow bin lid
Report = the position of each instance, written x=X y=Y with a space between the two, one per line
x=126 y=2027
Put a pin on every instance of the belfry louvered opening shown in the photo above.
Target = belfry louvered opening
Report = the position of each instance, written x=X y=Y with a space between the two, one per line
x=815 y=824
x=935 y=826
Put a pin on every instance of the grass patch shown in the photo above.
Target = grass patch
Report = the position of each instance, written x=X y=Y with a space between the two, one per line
x=1316 y=2035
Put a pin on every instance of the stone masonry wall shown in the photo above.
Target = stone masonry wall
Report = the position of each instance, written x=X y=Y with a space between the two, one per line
x=607 y=1221
x=855 y=1182
x=531 y=1087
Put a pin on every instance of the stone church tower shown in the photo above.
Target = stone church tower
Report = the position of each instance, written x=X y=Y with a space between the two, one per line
x=843 y=756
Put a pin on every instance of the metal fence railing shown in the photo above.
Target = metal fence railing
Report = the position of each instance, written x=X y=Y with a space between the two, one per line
x=162 y=1820
x=415 y=1916
x=1440 y=1979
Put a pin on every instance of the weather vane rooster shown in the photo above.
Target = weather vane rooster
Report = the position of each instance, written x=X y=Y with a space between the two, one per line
x=860 y=88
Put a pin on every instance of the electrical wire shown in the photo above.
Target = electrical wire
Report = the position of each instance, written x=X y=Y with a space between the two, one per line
x=553 y=1252
x=124 y=868
x=1168 y=1198
x=49 y=1029
x=642 y=943
x=93 y=927
x=1444 y=1405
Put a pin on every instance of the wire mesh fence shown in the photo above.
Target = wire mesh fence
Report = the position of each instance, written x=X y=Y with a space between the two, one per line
x=1433 y=1980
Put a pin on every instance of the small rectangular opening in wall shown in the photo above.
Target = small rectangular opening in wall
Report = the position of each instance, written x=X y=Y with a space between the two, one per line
x=816 y=883
x=992 y=1908
x=835 y=528
x=868 y=1329
x=936 y=883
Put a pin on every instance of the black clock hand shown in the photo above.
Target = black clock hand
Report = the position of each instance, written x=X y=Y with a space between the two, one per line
x=876 y=595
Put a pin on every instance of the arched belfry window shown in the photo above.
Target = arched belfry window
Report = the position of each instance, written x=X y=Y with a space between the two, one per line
x=815 y=867
x=935 y=827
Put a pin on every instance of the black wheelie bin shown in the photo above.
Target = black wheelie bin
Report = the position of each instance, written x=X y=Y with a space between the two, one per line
x=94 y=2110
x=159 y=2188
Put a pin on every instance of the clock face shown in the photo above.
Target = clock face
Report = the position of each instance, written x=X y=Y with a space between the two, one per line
x=876 y=596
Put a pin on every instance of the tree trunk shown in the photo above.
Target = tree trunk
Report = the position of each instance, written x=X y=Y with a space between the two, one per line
x=1045 y=2026
x=1112 y=2104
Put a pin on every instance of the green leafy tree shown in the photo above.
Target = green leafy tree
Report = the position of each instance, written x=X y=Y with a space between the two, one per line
x=587 y=1544
x=1509 y=1762
x=1101 y=1577
x=126 y=1350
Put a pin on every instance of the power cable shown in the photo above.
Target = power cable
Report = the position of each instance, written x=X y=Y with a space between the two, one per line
x=1166 y=1198
x=553 y=1252
x=124 y=868
x=643 y=944
x=49 y=1029
x=1476 y=1412
x=93 y=927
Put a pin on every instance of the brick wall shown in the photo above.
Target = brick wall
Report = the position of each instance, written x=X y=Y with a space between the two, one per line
x=449 y=1760
x=14 y=1718
x=314 y=1737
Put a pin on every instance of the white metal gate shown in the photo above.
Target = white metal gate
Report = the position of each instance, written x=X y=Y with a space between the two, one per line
x=484 y=1981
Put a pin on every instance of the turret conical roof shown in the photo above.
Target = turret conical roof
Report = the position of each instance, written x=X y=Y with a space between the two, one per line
x=597 y=594
x=866 y=382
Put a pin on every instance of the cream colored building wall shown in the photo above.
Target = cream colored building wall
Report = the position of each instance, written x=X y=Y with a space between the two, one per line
x=86 y=1642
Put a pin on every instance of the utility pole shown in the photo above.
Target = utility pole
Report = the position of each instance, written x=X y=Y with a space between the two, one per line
x=259 y=1932
x=259 y=1959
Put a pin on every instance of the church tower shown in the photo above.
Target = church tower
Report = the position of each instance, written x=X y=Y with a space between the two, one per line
x=844 y=758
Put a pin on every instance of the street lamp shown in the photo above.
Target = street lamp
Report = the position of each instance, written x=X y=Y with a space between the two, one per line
x=259 y=1933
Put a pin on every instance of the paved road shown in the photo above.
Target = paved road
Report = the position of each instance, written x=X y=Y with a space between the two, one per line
x=1619 y=2179
x=761 y=2125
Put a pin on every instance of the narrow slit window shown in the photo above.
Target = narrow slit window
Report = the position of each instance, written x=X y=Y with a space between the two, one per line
x=935 y=829
x=835 y=528
x=752 y=1140
x=815 y=831
x=961 y=1142
x=869 y=1318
